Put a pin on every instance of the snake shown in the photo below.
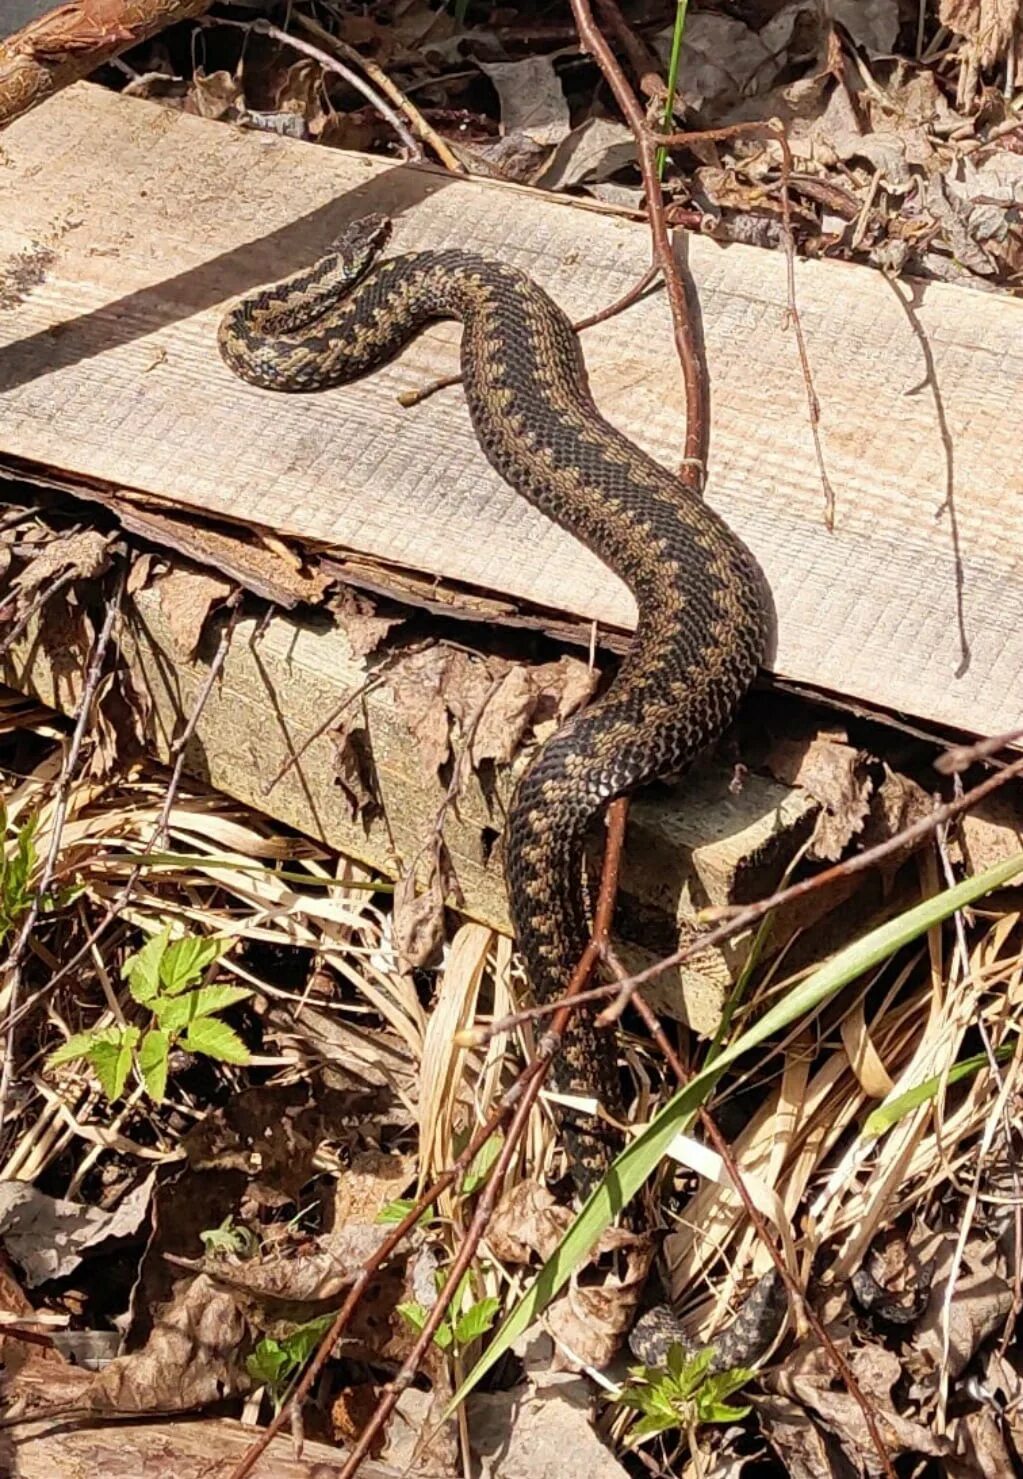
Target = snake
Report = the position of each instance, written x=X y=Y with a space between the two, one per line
x=702 y=610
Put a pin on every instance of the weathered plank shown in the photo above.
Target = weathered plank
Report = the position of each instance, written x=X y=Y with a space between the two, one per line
x=124 y=228
x=267 y=737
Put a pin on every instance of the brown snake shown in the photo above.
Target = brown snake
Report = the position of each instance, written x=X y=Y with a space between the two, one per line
x=702 y=619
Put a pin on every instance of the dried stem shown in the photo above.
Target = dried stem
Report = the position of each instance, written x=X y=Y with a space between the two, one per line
x=419 y=124
x=330 y=64
x=694 y=379
x=12 y=968
x=777 y=132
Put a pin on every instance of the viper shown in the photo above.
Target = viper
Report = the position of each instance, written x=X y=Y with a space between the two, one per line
x=702 y=618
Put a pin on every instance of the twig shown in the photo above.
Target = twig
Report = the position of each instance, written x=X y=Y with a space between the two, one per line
x=330 y=64
x=694 y=380
x=38 y=601
x=958 y=758
x=414 y=397
x=740 y=917
x=777 y=132
x=177 y=750
x=420 y=125
x=13 y=964
x=72 y=40
x=642 y=60
x=520 y=1099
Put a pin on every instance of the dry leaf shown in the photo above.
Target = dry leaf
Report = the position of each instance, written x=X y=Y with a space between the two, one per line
x=216 y=95
x=527 y=1221
x=593 y=151
x=834 y=774
x=591 y=1319
x=86 y=554
x=47 y=1237
x=532 y=99
x=980 y=1302
x=417 y=922
x=354 y=770
x=194 y=1356
x=986 y=24
x=186 y=599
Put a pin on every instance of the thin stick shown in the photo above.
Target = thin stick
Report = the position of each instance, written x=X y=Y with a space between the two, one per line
x=520 y=1098
x=775 y=131
x=420 y=125
x=763 y=1232
x=331 y=64
x=38 y=601
x=745 y=915
x=13 y=965
x=694 y=380
x=70 y=41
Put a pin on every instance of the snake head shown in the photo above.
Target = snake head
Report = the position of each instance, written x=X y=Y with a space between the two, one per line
x=361 y=240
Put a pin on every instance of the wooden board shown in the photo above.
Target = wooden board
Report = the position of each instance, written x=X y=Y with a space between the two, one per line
x=125 y=227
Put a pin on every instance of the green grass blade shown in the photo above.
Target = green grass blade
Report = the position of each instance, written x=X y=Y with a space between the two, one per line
x=638 y=1160
x=896 y=1109
x=673 y=65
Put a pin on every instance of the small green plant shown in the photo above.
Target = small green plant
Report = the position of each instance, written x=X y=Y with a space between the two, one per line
x=466 y=1320
x=682 y=1394
x=163 y=978
x=275 y=1361
x=17 y=865
x=230 y=1238
x=394 y=1212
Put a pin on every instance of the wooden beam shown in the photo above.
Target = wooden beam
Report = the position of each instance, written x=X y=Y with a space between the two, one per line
x=118 y=260
x=261 y=738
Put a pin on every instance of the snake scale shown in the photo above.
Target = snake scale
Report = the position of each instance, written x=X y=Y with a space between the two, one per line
x=702 y=614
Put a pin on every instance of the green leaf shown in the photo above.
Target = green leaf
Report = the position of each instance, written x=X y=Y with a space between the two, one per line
x=209 y=999
x=642 y=1155
x=416 y=1315
x=77 y=1046
x=153 y=1055
x=214 y=1038
x=267 y=1363
x=112 y=1061
x=481 y=1165
x=396 y=1211
x=414 y=1312
x=142 y=970
x=301 y=1342
x=175 y=1012
x=477 y=1320
x=185 y=961
x=886 y=1115
x=720 y=1412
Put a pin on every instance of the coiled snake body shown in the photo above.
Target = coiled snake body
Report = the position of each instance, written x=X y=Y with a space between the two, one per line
x=702 y=623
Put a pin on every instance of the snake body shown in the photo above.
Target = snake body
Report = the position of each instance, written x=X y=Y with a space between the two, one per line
x=702 y=621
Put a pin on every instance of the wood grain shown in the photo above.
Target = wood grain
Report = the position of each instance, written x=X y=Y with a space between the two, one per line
x=125 y=227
